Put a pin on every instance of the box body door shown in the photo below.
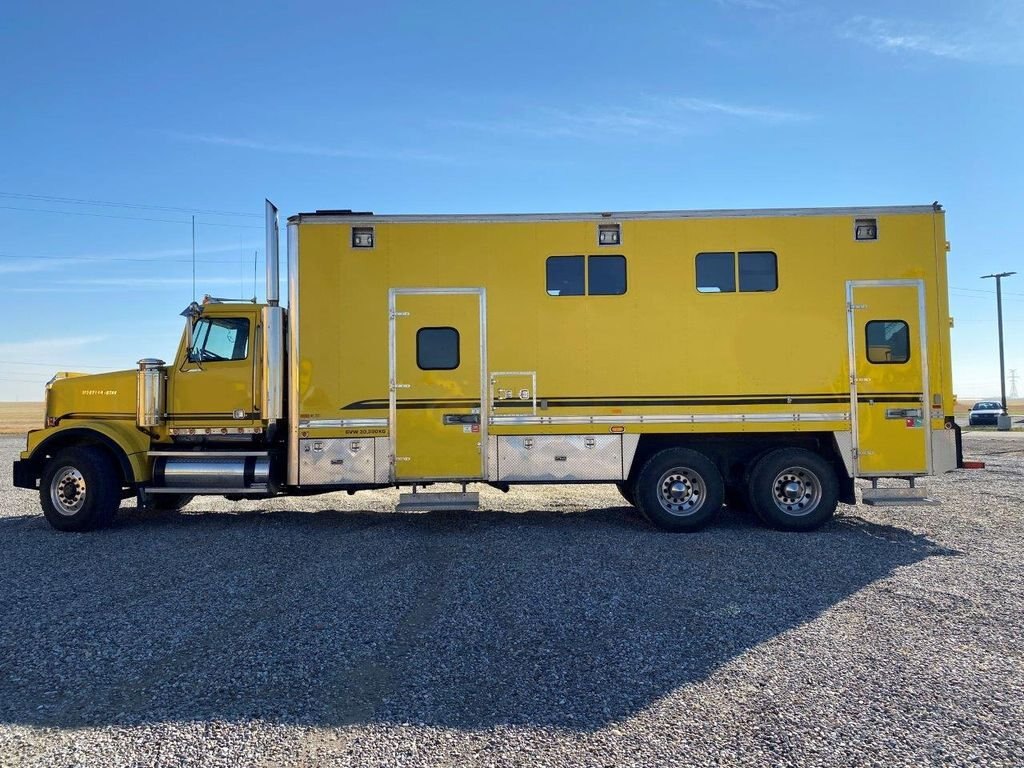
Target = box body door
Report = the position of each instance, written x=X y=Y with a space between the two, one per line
x=889 y=378
x=438 y=361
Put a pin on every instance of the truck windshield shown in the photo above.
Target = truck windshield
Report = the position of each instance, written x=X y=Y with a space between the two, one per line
x=220 y=338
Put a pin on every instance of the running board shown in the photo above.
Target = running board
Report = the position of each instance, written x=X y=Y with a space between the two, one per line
x=428 y=502
x=897 y=497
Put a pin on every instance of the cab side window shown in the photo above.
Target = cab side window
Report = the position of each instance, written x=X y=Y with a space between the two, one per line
x=215 y=339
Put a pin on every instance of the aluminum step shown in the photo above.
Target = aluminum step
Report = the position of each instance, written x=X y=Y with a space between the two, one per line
x=427 y=502
x=897 y=497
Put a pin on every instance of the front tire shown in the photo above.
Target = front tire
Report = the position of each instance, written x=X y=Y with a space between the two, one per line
x=679 y=490
x=793 y=489
x=80 y=489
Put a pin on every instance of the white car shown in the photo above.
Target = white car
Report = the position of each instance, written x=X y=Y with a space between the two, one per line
x=985 y=412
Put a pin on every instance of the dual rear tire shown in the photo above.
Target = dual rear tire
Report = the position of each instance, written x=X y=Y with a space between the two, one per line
x=680 y=490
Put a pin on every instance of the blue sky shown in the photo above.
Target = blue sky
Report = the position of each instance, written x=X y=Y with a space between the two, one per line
x=462 y=107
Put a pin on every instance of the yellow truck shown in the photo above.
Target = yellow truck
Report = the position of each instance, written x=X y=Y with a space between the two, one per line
x=761 y=358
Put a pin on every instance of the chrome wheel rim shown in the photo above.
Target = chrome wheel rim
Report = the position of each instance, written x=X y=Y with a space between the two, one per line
x=681 y=491
x=796 y=491
x=68 y=491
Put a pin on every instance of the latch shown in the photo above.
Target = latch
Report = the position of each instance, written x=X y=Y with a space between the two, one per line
x=460 y=418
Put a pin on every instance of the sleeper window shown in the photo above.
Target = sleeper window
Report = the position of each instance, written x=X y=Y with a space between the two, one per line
x=437 y=349
x=716 y=272
x=888 y=341
x=220 y=338
x=565 y=275
x=606 y=275
x=758 y=271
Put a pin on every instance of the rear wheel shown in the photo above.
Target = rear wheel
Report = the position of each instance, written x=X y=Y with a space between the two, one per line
x=80 y=489
x=793 y=489
x=679 y=489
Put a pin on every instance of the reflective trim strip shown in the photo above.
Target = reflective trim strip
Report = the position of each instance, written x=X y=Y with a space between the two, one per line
x=335 y=423
x=692 y=418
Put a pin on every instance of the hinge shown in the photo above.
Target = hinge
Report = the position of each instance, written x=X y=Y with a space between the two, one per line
x=401 y=458
x=399 y=314
x=395 y=385
x=855 y=380
x=850 y=306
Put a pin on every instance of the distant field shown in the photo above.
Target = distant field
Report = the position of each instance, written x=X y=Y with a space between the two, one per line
x=18 y=418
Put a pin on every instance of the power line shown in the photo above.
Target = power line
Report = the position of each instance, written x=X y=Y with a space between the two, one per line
x=110 y=204
x=128 y=218
x=157 y=260
x=50 y=365
x=982 y=290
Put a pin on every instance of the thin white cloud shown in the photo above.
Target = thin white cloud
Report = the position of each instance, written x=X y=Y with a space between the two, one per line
x=292 y=148
x=652 y=117
x=991 y=33
x=753 y=5
x=29 y=264
x=27 y=350
x=147 y=282
x=889 y=35
x=763 y=114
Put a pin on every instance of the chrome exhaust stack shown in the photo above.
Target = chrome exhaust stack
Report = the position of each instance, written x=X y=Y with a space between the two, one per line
x=273 y=265
x=272 y=397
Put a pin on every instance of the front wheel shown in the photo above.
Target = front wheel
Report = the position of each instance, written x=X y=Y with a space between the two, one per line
x=80 y=489
x=679 y=490
x=793 y=489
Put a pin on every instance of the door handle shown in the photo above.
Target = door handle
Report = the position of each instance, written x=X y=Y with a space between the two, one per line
x=460 y=418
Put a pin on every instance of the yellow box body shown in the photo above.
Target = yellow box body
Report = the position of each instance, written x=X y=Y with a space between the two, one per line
x=660 y=358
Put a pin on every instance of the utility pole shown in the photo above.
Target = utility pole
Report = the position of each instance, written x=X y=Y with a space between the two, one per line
x=1003 y=420
x=1013 y=384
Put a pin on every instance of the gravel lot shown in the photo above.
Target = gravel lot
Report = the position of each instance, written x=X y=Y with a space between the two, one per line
x=559 y=632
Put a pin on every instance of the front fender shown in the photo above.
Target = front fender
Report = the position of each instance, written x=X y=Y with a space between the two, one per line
x=121 y=437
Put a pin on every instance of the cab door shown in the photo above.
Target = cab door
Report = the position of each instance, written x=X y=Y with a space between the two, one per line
x=438 y=361
x=215 y=384
x=889 y=397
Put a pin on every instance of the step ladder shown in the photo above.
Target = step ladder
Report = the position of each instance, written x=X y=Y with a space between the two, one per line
x=453 y=501
x=902 y=496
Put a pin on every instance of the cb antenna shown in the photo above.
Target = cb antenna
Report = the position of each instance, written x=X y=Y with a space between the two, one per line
x=193 y=257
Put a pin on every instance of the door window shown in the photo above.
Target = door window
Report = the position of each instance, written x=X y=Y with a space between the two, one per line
x=888 y=341
x=215 y=339
x=437 y=349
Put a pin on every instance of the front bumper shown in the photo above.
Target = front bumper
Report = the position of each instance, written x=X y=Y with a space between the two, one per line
x=983 y=419
x=25 y=474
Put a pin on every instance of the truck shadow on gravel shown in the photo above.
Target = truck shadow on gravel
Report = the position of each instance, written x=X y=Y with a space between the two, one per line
x=467 y=620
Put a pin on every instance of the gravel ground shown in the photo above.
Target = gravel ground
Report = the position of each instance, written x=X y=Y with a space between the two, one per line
x=558 y=632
